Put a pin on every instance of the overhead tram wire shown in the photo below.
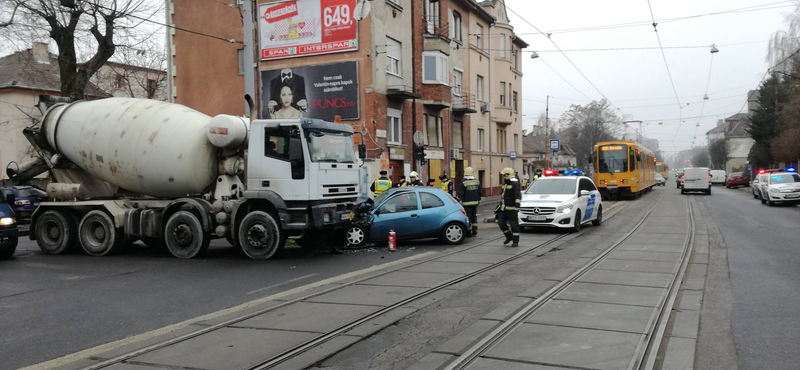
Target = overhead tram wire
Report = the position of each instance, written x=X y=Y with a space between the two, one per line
x=792 y=55
x=703 y=106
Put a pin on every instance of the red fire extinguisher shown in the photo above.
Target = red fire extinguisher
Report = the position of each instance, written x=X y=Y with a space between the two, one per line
x=392 y=241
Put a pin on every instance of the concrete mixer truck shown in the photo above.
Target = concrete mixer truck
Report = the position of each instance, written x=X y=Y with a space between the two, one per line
x=124 y=169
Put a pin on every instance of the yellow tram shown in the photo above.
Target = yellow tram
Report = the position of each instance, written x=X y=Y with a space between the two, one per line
x=663 y=169
x=623 y=169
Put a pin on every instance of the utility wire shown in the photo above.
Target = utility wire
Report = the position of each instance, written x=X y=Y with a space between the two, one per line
x=669 y=73
x=765 y=76
x=703 y=106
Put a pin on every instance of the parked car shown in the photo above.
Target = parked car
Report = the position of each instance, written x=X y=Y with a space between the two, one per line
x=27 y=198
x=718 y=177
x=660 y=180
x=737 y=179
x=8 y=227
x=413 y=213
x=562 y=202
x=780 y=187
x=696 y=179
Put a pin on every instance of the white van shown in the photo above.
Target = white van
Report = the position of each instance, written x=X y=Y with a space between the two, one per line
x=696 y=179
x=718 y=177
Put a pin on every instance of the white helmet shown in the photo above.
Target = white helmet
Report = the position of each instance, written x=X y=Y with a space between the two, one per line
x=414 y=174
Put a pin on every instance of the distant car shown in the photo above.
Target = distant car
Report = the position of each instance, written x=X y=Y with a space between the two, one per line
x=660 y=180
x=678 y=179
x=8 y=227
x=780 y=187
x=718 y=177
x=413 y=213
x=26 y=200
x=696 y=179
x=562 y=202
x=737 y=179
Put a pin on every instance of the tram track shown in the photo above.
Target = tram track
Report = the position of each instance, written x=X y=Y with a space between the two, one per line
x=645 y=355
x=314 y=342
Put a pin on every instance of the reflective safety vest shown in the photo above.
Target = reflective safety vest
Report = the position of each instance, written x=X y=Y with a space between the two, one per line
x=382 y=185
x=447 y=186
x=510 y=196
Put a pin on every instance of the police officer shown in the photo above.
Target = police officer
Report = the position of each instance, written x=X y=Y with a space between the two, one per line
x=538 y=174
x=447 y=184
x=510 y=199
x=402 y=182
x=470 y=195
x=381 y=184
x=414 y=179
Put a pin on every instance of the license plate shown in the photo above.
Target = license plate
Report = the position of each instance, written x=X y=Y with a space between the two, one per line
x=346 y=217
x=793 y=196
x=537 y=218
x=612 y=186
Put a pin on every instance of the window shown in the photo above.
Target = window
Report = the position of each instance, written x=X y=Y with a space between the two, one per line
x=514 y=101
x=516 y=140
x=430 y=200
x=458 y=137
x=152 y=88
x=395 y=2
x=479 y=88
x=285 y=144
x=240 y=53
x=431 y=15
x=119 y=83
x=481 y=134
x=501 y=141
x=434 y=68
x=394 y=50
x=458 y=81
x=502 y=45
x=433 y=130
x=457 y=26
x=395 y=126
x=405 y=202
x=502 y=93
x=479 y=37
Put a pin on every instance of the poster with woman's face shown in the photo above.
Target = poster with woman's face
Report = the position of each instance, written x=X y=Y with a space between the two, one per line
x=318 y=91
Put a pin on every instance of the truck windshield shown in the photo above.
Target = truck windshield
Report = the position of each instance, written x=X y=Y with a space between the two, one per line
x=612 y=158
x=333 y=147
x=552 y=186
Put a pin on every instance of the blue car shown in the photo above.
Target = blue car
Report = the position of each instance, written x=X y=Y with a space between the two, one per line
x=26 y=199
x=413 y=213
x=8 y=227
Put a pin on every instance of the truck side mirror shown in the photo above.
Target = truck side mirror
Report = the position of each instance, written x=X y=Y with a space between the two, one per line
x=362 y=151
x=10 y=198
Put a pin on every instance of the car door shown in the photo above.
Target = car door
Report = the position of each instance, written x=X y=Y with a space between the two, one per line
x=585 y=202
x=401 y=213
x=431 y=214
x=595 y=201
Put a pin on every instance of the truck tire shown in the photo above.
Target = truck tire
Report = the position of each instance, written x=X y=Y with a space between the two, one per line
x=98 y=235
x=184 y=235
x=57 y=232
x=260 y=236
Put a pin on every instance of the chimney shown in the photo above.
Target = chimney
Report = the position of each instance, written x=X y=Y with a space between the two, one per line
x=40 y=53
x=720 y=122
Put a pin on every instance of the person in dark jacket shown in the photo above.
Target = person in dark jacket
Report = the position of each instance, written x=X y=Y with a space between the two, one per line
x=510 y=200
x=470 y=195
x=414 y=179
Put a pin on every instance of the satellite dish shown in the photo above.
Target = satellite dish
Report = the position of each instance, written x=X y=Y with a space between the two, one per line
x=361 y=10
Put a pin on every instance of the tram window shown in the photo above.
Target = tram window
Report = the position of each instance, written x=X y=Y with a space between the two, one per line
x=632 y=161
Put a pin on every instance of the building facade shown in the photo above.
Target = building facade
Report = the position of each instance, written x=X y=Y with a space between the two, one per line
x=410 y=74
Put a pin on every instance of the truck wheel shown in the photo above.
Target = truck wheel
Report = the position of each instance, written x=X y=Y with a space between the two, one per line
x=260 y=236
x=57 y=232
x=185 y=236
x=98 y=235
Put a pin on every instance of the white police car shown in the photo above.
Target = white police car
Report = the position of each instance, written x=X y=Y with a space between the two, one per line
x=563 y=202
x=779 y=186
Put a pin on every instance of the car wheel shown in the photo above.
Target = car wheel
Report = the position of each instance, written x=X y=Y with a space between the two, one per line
x=453 y=233
x=356 y=236
x=763 y=201
x=260 y=236
x=577 y=223
x=728 y=186
x=57 y=232
x=755 y=196
x=708 y=192
x=770 y=202
x=683 y=191
x=599 y=219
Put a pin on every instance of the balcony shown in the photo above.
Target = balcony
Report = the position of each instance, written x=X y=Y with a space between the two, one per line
x=401 y=92
x=466 y=103
x=436 y=32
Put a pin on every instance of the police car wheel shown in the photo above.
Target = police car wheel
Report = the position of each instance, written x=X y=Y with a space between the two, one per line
x=577 y=225
x=599 y=219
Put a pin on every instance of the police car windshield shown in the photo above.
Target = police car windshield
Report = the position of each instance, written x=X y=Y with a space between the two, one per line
x=552 y=186
x=784 y=178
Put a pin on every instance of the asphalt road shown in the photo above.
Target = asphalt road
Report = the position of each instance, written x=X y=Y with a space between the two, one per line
x=763 y=260
x=52 y=306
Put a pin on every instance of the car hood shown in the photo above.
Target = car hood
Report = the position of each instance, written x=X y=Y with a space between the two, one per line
x=794 y=186
x=538 y=200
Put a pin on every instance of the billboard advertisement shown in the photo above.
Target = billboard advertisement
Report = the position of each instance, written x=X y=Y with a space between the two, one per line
x=317 y=91
x=307 y=27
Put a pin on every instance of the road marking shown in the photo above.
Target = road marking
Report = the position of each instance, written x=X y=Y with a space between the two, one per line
x=280 y=284
x=94 y=351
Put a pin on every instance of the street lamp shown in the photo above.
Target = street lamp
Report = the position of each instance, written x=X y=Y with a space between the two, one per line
x=534 y=55
x=714 y=49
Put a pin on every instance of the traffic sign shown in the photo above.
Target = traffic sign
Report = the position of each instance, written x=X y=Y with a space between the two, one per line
x=555 y=144
x=512 y=155
x=418 y=138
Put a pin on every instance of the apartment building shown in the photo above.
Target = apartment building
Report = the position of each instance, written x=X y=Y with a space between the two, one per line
x=409 y=66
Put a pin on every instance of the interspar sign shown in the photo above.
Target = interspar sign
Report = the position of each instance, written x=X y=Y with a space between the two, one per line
x=307 y=27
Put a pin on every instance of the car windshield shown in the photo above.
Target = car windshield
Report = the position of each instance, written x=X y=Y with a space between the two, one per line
x=784 y=178
x=612 y=158
x=334 y=147
x=735 y=174
x=552 y=186
x=379 y=199
x=31 y=192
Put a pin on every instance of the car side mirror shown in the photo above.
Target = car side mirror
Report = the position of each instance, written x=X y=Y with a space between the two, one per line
x=10 y=198
x=584 y=192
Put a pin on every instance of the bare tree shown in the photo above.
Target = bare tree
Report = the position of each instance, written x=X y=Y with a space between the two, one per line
x=785 y=43
x=588 y=124
x=142 y=70
x=719 y=151
x=700 y=158
x=93 y=27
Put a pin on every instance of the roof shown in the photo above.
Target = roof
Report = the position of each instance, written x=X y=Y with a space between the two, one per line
x=21 y=70
x=719 y=129
x=738 y=125
x=474 y=6
x=533 y=143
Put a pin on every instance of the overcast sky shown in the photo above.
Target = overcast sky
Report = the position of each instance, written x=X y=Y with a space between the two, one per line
x=636 y=81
